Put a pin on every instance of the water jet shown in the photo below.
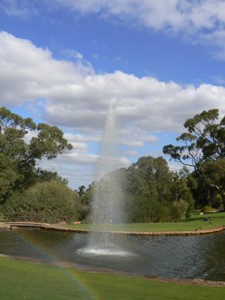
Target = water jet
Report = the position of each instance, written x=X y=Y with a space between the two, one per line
x=107 y=204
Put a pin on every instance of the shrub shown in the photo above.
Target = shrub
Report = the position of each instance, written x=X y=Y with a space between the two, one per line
x=49 y=202
x=206 y=208
x=179 y=210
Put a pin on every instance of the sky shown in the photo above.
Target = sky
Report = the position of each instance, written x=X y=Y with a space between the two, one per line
x=155 y=63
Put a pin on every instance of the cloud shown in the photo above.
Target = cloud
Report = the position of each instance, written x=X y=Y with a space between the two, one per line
x=77 y=100
x=71 y=53
x=78 y=138
x=28 y=72
x=19 y=8
x=174 y=15
x=131 y=153
x=201 y=22
x=195 y=21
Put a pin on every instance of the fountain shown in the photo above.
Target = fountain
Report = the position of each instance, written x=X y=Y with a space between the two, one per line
x=107 y=206
x=167 y=256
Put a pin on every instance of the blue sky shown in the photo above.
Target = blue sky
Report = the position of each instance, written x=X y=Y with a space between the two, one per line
x=64 y=61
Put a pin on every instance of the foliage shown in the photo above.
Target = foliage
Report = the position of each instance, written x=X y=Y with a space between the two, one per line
x=8 y=177
x=203 y=148
x=213 y=173
x=146 y=209
x=156 y=194
x=150 y=176
x=20 y=155
x=84 y=197
x=49 y=202
x=206 y=209
x=149 y=190
x=152 y=193
x=204 y=140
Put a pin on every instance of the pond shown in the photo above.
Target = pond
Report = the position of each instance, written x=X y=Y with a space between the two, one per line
x=168 y=256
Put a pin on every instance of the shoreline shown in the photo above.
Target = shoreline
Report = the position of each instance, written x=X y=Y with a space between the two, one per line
x=59 y=227
x=86 y=268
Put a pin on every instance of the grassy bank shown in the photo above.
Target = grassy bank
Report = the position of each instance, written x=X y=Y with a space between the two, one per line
x=195 y=222
x=34 y=281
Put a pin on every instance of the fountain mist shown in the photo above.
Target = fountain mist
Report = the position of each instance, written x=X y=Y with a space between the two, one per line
x=107 y=202
x=107 y=206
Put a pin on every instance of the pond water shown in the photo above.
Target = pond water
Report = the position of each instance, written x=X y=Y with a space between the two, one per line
x=170 y=256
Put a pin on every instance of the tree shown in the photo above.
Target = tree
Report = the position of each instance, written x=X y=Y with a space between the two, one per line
x=181 y=193
x=214 y=178
x=180 y=189
x=49 y=202
x=203 y=147
x=150 y=176
x=84 y=197
x=151 y=192
x=23 y=153
x=204 y=140
x=146 y=190
x=8 y=177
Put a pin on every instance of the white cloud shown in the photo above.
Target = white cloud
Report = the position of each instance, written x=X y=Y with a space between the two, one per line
x=200 y=21
x=71 y=53
x=161 y=14
x=28 y=72
x=18 y=8
x=78 y=101
x=131 y=153
x=75 y=138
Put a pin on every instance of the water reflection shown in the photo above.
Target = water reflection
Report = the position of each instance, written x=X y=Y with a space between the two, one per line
x=175 y=256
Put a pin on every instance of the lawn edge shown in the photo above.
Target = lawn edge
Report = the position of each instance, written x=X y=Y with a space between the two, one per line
x=60 y=227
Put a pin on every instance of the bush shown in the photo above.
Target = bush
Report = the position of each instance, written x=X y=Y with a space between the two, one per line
x=206 y=209
x=49 y=202
x=146 y=209
x=179 y=210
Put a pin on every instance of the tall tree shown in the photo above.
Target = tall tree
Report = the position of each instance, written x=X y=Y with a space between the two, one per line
x=150 y=176
x=204 y=139
x=202 y=147
x=19 y=154
x=152 y=196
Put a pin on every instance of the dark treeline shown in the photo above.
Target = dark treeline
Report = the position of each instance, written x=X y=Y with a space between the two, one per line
x=151 y=192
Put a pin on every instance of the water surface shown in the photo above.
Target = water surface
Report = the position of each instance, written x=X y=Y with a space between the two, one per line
x=171 y=256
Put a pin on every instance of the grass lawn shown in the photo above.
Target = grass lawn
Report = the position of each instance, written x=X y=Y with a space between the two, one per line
x=196 y=222
x=35 y=281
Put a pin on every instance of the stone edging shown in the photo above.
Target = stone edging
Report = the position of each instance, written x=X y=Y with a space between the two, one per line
x=13 y=225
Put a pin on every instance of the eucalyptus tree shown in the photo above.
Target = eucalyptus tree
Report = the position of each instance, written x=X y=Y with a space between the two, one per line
x=204 y=139
x=22 y=145
x=202 y=147
x=156 y=193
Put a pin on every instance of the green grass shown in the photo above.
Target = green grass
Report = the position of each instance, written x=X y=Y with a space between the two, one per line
x=196 y=222
x=35 y=281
